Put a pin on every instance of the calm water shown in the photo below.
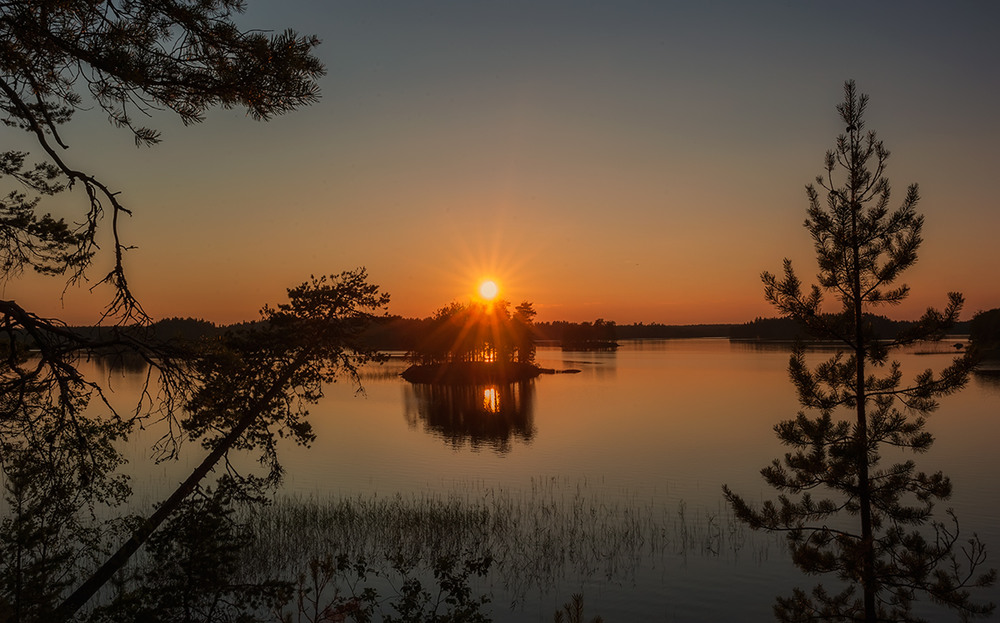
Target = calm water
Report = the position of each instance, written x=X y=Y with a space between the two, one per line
x=657 y=426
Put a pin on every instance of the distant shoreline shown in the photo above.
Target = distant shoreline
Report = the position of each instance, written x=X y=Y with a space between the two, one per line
x=403 y=334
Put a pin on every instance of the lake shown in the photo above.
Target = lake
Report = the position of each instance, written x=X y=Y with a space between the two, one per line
x=645 y=437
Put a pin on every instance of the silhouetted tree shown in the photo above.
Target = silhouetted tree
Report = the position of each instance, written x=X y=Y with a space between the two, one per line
x=586 y=336
x=127 y=58
x=192 y=572
x=871 y=526
x=254 y=385
x=522 y=327
x=44 y=538
x=60 y=435
x=478 y=332
x=984 y=333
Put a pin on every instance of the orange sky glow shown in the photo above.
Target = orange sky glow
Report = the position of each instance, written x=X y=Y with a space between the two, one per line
x=635 y=162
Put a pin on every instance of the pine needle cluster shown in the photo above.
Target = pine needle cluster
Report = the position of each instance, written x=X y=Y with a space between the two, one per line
x=853 y=506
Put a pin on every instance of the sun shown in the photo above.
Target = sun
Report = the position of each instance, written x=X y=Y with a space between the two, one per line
x=488 y=290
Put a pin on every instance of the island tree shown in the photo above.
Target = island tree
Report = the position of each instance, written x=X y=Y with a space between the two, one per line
x=853 y=504
x=478 y=333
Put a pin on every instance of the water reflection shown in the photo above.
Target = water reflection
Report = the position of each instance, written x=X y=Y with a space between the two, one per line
x=599 y=365
x=119 y=363
x=491 y=401
x=987 y=376
x=480 y=415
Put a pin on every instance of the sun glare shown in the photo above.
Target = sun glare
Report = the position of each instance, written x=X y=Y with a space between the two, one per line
x=488 y=290
x=491 y=401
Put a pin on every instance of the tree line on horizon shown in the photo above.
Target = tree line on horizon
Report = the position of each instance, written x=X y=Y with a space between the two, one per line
x=400 y=333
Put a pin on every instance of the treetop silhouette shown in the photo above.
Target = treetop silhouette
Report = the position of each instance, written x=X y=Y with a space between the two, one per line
x=475 y=343
x=845 y=512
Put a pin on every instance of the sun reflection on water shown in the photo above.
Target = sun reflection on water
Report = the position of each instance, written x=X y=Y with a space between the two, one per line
x=491 y=400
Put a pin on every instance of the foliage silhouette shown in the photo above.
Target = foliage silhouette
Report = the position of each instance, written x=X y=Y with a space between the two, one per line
x=253 y=386
x=787 y=329
x=128 y=59
x=42 y=537
x=574 y=612
x=478 y=332
x=586 y=336
x=190 y=573
x=870 y=526
x=58 y=429
x=450 y=600
x=200 y=568
x=984 y=333
x=476 y=343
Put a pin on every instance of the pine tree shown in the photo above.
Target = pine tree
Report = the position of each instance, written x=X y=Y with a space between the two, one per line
x=133 y=60
x=128 y=59
x=845 y=512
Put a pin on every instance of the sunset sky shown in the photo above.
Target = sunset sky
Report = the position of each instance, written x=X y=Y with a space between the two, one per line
x=635 y=161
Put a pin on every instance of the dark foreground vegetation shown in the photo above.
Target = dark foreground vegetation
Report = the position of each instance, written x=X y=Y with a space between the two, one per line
x=455 y=558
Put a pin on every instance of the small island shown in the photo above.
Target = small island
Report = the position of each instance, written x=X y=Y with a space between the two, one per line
x=476 y=343
x=471 y=372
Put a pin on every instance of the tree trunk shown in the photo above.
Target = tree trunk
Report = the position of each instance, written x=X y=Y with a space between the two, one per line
x=82 y=595
x=864 y=484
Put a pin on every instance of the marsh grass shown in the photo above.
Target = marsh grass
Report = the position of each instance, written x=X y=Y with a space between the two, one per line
x=540 y=539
